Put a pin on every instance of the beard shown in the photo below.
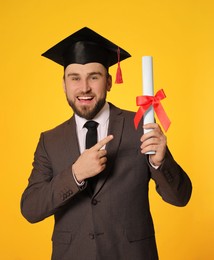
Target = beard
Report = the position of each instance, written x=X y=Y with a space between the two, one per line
x=85 y=111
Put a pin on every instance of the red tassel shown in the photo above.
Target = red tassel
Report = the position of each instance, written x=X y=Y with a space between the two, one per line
x=119 y=78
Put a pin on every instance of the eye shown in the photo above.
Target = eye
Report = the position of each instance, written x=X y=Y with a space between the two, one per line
x=75 y=78
x=95 y=76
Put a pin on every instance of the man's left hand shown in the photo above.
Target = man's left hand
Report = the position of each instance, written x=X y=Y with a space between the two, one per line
x=156 y=141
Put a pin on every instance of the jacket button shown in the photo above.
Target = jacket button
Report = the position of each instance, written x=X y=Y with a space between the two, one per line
x=94 y=202
x=91 y=236
x=168 y=176
x=70 y=192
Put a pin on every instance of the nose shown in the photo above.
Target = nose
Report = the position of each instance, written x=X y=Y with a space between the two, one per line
x=86 y=86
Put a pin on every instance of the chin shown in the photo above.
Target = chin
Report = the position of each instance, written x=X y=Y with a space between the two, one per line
x=87 y=112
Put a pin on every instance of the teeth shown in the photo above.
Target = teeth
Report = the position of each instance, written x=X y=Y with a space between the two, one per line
x=84 y=98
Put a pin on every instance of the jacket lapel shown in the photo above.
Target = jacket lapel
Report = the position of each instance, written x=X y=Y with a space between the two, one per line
x=116 y=123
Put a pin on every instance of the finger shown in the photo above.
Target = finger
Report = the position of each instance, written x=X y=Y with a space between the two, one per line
x=156 y=132
x=151 y=148
x=101 y=143
x=103 y=160
x=150 y=126
x=102 y=153
x=150 y=141
x=149 y=135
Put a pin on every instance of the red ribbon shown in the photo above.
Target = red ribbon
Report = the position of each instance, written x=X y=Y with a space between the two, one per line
x=145 y=102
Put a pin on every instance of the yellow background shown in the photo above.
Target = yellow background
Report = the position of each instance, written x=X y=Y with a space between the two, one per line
x=179 y=35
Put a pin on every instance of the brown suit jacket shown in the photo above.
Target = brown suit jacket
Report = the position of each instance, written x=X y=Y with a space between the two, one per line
x=113 y=223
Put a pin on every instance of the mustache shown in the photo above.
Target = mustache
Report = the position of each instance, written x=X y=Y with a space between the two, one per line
x=85 y=93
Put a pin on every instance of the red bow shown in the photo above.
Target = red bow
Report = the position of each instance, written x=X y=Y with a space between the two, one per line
x=145 y=102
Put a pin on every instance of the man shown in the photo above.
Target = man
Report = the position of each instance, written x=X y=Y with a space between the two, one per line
x=99 y=195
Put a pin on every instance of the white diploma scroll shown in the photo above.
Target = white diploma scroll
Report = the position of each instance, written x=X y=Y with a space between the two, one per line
x=148 y=89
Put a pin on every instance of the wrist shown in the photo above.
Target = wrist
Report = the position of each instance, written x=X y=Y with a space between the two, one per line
x=156 y=165
x=79 y=182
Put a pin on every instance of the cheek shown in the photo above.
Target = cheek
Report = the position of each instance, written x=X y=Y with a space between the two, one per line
x=101 y=88
x=69 y=89
x=101 y=92
x=69 y=93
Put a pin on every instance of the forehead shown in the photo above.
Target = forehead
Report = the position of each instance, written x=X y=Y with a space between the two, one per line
x=85 y=68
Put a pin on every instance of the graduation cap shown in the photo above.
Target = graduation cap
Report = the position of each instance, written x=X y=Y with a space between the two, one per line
x=85 y=46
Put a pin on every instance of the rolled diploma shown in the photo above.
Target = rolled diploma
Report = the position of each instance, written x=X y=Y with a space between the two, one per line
x=148 y=90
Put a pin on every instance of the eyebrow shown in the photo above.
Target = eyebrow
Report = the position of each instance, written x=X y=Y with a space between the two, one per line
x=95 y=73
x=89 y=74
x=73 y=74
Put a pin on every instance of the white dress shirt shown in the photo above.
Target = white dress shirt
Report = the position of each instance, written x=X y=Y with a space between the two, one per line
x=102 y=118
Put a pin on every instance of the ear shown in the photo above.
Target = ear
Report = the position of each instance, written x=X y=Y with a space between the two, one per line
x=63 y=84
x=109 y=83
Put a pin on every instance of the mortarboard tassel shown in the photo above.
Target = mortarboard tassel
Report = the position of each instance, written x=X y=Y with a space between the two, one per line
x=119 y=78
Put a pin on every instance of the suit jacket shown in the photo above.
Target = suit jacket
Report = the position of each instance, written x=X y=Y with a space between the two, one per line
x=114 y=222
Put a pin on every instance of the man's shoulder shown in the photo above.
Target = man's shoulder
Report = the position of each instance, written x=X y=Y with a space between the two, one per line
x=58 y=129
x=126 y=117
x=118 y=110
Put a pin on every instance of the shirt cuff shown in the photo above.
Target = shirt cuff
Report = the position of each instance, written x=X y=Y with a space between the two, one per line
x=154 y=166
x=79 y=184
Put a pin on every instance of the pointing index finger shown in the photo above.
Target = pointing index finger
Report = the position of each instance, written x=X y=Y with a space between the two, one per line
x=102 y=142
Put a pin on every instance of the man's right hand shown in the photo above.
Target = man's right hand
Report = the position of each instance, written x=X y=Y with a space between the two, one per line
x=92 y=161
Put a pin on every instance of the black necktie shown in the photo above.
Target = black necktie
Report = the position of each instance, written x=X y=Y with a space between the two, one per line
x=91 y=136
x=91 y=140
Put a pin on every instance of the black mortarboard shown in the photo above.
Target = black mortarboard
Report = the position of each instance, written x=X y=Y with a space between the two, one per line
x=85 y=46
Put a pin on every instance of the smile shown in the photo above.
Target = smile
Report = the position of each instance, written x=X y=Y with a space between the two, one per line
x=85 y=99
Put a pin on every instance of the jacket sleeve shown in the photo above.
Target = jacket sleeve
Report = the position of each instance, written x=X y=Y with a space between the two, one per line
x=172 y=183
x=46 y=193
